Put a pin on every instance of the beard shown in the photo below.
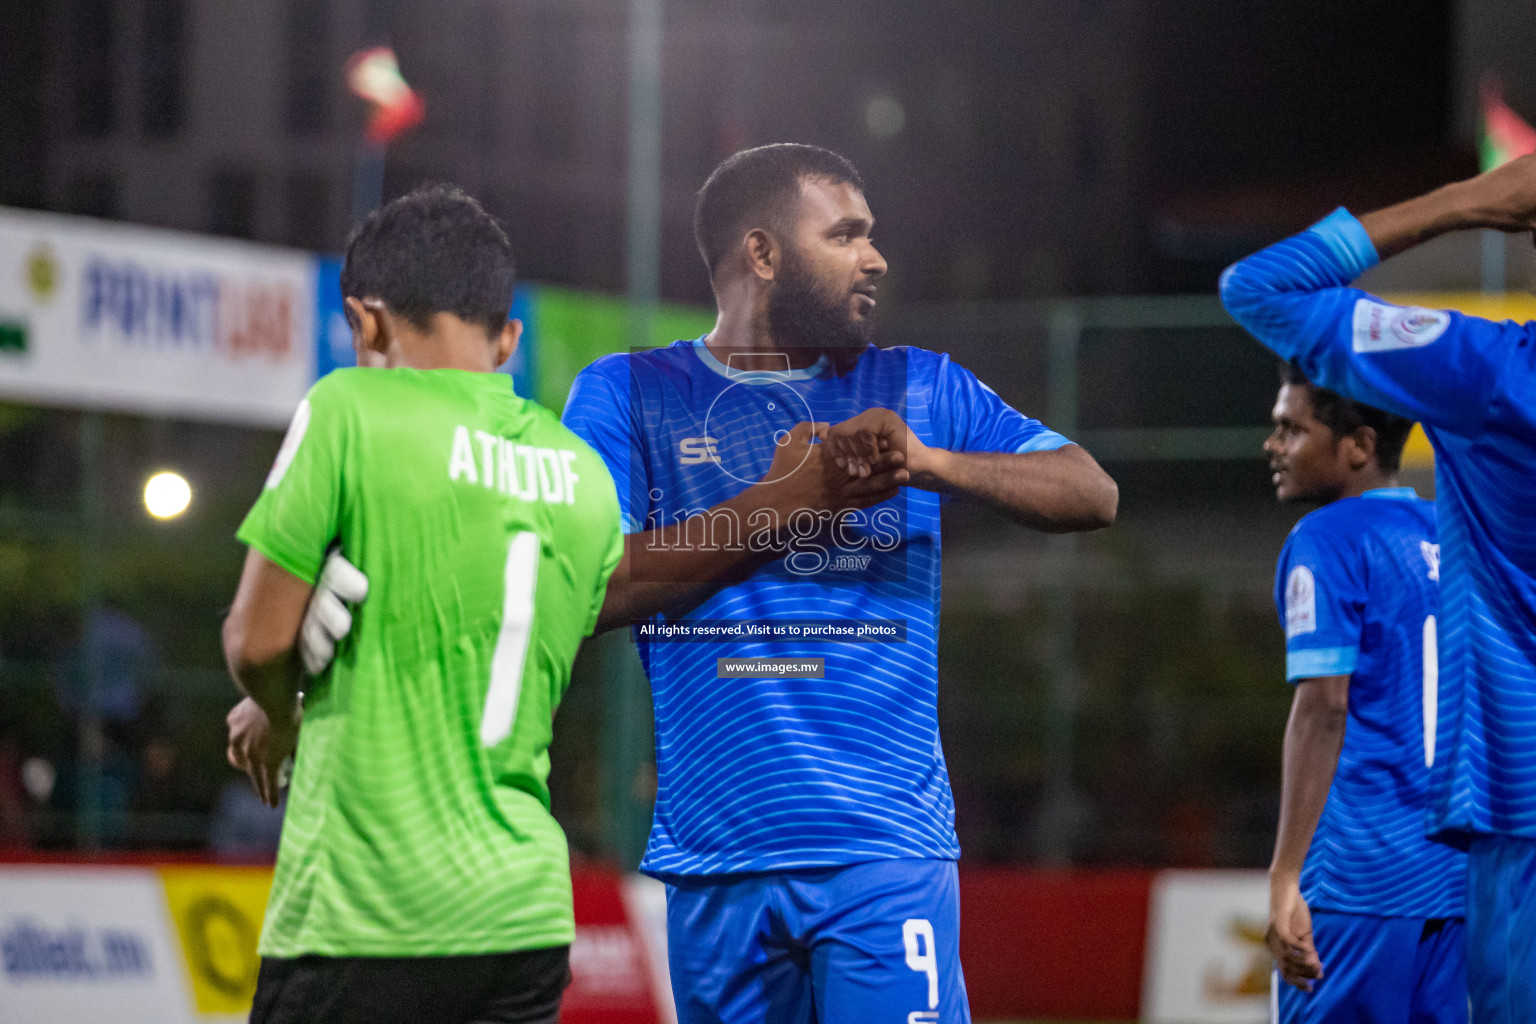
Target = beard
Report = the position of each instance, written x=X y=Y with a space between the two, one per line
x=803 y=313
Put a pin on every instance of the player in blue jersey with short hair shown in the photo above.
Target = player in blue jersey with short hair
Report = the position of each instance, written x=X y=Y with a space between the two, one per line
x=783 y=474
x=1472 y=383
x=1365 y=911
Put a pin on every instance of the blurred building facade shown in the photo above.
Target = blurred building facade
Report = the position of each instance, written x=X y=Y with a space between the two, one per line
x=1002 y=142
x=1057 y=147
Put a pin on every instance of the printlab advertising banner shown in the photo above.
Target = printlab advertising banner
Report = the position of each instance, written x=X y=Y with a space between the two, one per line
x=1206 y=959
x=108 y=316
x=176 y=944
x=100 y=315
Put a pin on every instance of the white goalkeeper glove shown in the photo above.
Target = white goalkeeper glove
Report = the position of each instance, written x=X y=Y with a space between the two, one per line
x=327 y=619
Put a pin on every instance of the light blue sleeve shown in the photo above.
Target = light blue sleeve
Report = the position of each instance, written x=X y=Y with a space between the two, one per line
x=597 y=413
x=1438 y=366
x=1320 y=593
x=978 y=420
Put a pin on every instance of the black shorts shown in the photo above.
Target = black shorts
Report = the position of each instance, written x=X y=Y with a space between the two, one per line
x=498 y=988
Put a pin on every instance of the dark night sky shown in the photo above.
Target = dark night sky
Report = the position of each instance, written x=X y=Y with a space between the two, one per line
x=1256 y=89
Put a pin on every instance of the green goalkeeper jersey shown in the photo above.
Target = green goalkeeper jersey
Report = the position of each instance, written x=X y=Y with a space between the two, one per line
x=418 y=817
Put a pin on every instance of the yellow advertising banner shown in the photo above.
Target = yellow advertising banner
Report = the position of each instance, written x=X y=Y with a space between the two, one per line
x=217 y=911
x=1417 y=453
x=1517 y=306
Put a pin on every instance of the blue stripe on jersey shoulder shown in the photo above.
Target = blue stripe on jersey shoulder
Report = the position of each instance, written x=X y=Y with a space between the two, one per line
x=1347 y=240
x=1045 y=441
x=1321 y=661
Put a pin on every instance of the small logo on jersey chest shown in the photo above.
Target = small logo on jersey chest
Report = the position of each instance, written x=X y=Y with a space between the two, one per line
x=1431 y=554
x=695 y=450
x=1300 y=602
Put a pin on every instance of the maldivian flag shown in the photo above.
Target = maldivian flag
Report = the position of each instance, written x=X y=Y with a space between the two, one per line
x=1504 y=135
x=374 y=75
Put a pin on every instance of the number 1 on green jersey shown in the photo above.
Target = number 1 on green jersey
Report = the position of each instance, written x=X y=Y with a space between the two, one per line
x=511 y=654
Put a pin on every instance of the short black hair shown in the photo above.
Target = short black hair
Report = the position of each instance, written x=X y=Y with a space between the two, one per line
x=759 y=188
x=433 y=250
x=1344 y=416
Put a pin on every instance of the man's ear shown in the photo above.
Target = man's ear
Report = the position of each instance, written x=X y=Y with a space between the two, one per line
x=372 y=331
x=762 y=253
x=1362 y=447
x=506 y=341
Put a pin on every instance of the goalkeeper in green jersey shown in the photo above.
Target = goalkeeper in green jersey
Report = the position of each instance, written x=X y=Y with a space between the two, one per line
x=420 y=876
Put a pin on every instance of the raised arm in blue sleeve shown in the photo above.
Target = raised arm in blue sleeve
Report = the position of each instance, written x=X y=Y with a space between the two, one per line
x=1433 y=365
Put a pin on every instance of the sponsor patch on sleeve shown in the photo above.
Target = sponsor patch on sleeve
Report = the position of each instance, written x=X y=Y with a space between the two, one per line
x=1379 y=327
x=1300 y=602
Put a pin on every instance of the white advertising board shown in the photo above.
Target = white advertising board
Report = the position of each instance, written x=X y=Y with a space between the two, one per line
x=83 y=944
x=108 y=316
x=176 y=944
x=1206 y=959
x=645 y=901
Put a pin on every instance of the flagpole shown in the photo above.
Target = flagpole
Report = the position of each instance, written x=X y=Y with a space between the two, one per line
x=368 y=180
x=1494 y=279
x=627 y=721
x=1503 y=135
x=374 y=75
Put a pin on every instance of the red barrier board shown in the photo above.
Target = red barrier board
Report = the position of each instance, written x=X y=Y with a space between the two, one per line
x=610 y=975
x=1047 y=944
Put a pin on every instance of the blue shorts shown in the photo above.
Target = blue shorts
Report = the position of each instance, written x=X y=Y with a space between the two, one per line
x=1381 y=970
x=873 y=943
x=1501 y=929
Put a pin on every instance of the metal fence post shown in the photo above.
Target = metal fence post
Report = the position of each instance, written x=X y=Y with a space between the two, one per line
x=1058 y=823
x=91 y=737
x=623 y=683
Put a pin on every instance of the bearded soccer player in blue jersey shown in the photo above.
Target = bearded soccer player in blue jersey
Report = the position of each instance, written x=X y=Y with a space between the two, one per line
x=1472 y=383
x=804 y=822
x=1365 y=910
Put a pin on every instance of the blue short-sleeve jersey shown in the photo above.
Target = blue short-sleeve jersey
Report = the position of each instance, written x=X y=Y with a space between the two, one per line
x=1356 y=591
x=772 y=774
x=1472 y=383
